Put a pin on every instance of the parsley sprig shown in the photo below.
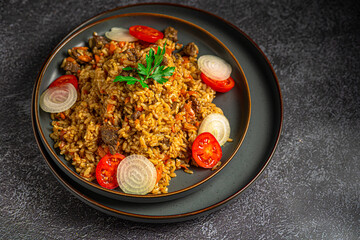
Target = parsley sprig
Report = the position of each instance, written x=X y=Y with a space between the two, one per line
x=152 y=70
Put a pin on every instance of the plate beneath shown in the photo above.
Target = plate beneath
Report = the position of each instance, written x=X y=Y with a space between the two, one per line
x=255 y=152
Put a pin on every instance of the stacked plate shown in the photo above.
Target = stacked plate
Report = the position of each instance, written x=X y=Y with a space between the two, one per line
x=255 y=131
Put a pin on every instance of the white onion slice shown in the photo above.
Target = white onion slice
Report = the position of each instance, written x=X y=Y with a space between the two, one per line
x=136 y=175
x=214 y=67
x=218 y=125
x=58 y=99
x=120 y=34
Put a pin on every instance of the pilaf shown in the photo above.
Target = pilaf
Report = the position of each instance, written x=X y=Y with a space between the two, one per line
x=159 y=122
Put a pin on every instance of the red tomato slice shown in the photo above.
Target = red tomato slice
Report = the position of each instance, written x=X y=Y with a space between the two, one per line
x=145 y=33
x=218 y=85
x=206 y=150
x=65 y=79
x=106 y=170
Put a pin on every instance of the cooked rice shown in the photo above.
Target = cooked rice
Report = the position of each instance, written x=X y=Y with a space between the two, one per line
x=163 y=130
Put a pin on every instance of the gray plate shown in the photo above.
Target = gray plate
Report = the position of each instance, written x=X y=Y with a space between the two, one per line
x=235 y=104
x=255 y=152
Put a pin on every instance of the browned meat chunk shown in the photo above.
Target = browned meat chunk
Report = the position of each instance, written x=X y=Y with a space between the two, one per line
x=70 y=66
x=171 y=34
x=97 y=41
x=195 y=105
x=132 y=55
x=110 y=137
x=191 y=49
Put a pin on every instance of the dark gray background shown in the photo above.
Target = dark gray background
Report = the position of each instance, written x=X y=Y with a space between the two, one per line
x=311 y=188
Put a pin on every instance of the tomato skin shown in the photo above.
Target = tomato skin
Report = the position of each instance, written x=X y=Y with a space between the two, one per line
x=106 y=170
x=65 y=79
x=218 y=85
x=145 y=33
x=206 y=150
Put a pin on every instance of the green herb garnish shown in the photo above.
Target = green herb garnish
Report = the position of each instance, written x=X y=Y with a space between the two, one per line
x=152 y=70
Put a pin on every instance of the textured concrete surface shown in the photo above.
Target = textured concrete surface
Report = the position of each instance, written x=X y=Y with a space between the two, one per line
x=310 y=190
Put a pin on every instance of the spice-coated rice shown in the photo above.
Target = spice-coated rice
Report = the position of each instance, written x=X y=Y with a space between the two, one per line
x=159 y=122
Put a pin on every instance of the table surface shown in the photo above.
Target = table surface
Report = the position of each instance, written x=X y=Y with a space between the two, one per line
x=311 y=188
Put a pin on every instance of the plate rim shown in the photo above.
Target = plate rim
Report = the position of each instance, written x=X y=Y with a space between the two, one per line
x=132 y=197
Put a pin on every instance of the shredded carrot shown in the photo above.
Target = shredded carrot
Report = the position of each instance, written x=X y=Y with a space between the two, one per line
x=178 y=117
x=62 y=115
x=168 y=51
x=173 y=128
x=101 y=54
x=197 y=124
x=183 y=166
x=126 y=119
x=137 y=121
x=188 y=126
x=81 y=48
x=107 y=46
x=182 y=92
x=189 y=111
x=139 y=108
x=97 y=58
x=122 y=44
x=70 y=59
x=159 y=171
x=62 y=133
x=185 y=59
x=112 y=48
x=85 y=58
x=173 y=76
x=109 y=107
x=192 y=93
x=127 y=100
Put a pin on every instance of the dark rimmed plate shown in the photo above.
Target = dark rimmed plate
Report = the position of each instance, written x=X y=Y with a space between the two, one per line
x=235 y=104
x=255 y=153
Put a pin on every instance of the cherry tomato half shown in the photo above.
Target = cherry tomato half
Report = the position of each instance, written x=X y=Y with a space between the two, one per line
x=145 y=33
x=218 y=85
x=206 y=150
x=106 y=170
x=65 y=79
